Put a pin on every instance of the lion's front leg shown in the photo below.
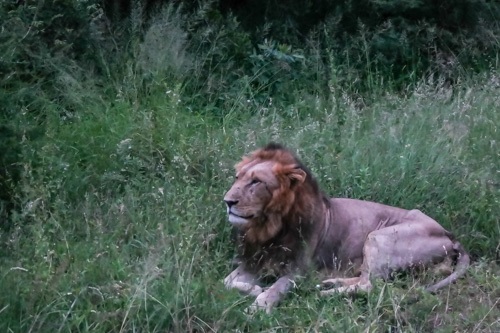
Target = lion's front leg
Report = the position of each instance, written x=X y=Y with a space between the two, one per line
x=273 y=295
x=243 y=281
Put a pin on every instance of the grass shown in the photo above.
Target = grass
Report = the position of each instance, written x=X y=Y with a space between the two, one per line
x=120 y=224
x=123 y=226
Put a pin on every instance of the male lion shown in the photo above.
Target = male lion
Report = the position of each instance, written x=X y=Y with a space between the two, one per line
x=286 y=224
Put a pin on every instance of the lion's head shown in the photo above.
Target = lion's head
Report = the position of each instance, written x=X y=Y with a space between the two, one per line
x=271 y=185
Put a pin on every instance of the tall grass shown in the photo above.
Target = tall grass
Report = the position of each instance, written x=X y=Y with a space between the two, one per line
x=120 y=224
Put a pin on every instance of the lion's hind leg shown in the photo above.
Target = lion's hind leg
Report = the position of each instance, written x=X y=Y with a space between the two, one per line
x=341 y=281
x=417 y=241
x=400 y=247
x=347 y=285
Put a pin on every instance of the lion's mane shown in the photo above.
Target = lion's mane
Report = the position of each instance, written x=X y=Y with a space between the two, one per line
x=276 y=244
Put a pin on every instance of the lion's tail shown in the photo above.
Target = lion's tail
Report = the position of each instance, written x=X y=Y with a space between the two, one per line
x=463 y=262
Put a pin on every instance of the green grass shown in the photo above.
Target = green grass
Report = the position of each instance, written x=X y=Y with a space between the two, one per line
x=123 y=227
x=117 y=222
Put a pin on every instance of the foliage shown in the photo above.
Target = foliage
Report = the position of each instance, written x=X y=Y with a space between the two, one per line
x=38 y=41
x=118 y=139
x=395 y=40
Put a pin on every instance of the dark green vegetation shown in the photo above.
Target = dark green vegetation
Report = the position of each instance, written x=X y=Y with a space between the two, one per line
x=119 y=127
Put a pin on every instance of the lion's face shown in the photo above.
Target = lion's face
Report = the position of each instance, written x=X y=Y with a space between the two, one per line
x=251 y=192
x=264 y=191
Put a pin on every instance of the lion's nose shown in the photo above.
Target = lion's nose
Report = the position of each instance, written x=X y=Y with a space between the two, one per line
x=230 y=203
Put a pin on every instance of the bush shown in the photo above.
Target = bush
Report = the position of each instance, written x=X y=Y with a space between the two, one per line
x=389 y=41
x=37 y=41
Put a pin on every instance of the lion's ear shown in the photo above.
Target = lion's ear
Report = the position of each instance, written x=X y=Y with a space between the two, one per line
x=297 y=176
x=293 y=173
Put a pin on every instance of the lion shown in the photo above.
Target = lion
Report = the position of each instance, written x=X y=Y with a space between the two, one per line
x=288 y=226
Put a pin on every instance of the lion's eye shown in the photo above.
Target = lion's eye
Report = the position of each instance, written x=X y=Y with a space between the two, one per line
x=254 y=181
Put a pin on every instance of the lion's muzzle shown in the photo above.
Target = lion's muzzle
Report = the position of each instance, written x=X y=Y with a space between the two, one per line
x=237 y=220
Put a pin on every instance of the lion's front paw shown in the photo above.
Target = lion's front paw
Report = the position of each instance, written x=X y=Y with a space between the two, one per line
x=251 y=310
x=262 y=302
x=257 y=290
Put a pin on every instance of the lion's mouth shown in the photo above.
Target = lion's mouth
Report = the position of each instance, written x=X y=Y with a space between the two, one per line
x=238 y=220
x=241 y=216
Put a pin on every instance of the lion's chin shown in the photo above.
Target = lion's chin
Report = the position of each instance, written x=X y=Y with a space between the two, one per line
x=237 y=221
